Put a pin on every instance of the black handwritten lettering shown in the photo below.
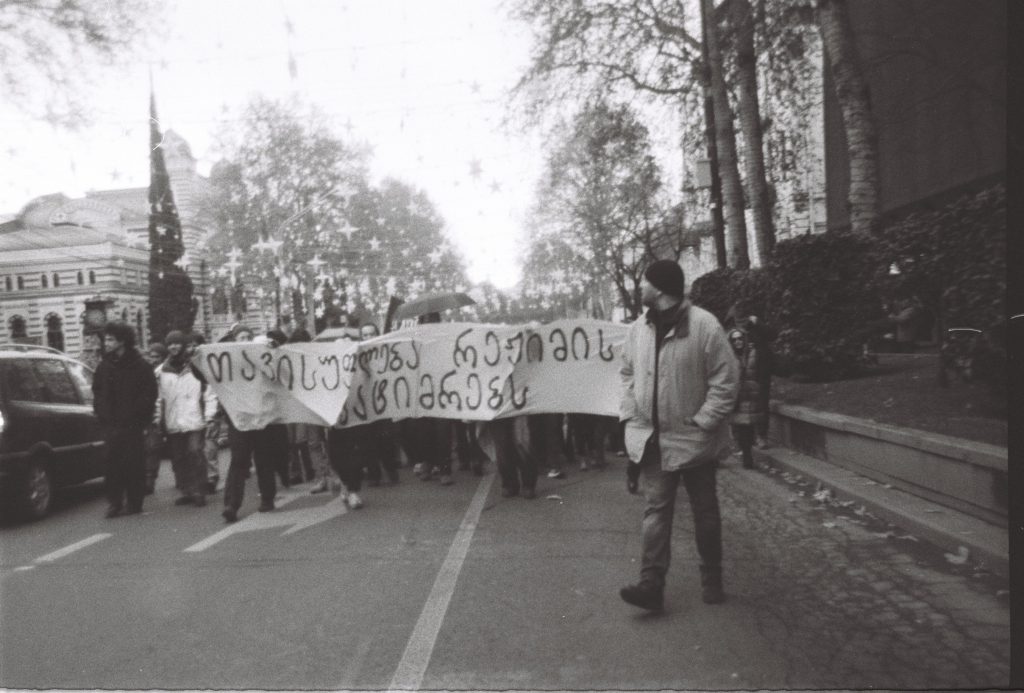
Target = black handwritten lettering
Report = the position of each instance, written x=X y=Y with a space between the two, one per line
x=402 y=380
x=291 y=371
x=302 y=375
x=251 y=375
x=497 y=348
x=447 y=397
x=580 y=332
x=600 y=347
x=517 y=403
x=416 y=351
x=470 y=379
x=515 y=343
x=467 y=354
x=496 y=399
x=380 y=397
x=329 y=361
x=395 y=362
x=216 y=364
x=268 y=370
x=427 y=391
x=348 y=363
x=359 y=407
x=560 y=353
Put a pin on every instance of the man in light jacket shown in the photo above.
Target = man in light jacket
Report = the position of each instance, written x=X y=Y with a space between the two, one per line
x=185 y=405
x=679 y=384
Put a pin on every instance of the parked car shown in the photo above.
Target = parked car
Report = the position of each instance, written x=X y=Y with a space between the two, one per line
x=49 y=435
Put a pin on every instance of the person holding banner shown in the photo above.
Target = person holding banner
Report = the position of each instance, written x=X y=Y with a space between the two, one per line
x=679 y=385
x=260 y=447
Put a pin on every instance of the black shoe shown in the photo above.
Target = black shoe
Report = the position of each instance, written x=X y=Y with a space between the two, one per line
x=184 y=500
x=149 y=489
x=211 y=486
x=509 y=493
x=112 y=511
x=199 y=501
x=230 y=515
x=266 y=507
x=644 y=595
x=632 y=477
x=133 y=510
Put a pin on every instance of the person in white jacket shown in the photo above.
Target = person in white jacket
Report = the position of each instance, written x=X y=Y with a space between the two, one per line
x=185 y=404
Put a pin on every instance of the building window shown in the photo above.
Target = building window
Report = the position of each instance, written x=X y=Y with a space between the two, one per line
x=56 y=280
x=7 y=283
x=21 y=282
x=16 y=325
x=92 y=277
x=80 y=279
x=44 y=282
x=55 y=332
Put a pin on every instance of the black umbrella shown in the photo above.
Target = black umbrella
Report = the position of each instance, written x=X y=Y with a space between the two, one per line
x=432 y=303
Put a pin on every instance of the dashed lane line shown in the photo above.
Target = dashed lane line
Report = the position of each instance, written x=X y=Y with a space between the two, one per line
x=413 y=665
x=67 y=550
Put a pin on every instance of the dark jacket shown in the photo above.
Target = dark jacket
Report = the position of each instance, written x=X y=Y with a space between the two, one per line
x=124 y=391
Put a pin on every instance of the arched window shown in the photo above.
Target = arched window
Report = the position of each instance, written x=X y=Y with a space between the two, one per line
x=44 y=282
x=21 y=282
x=55 y=332
x=17 y=327
x=92 y=277
x=56 y=280
x=81 y=280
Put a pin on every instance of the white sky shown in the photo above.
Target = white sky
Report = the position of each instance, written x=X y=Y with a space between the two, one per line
x=423 y=82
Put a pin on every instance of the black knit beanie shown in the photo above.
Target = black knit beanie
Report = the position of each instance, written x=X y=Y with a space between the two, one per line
x=666 y=276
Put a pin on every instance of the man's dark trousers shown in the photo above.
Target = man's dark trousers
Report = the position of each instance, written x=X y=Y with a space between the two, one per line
x=259 y=446
x=125 y=472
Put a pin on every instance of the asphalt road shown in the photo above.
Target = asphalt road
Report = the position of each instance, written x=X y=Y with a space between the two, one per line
x=431 y=587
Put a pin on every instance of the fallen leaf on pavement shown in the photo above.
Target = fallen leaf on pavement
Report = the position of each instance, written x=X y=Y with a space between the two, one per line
x=830 y=525
x=553 y=496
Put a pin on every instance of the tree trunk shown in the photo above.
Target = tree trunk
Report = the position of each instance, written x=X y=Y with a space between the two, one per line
x=725 y=137
x=749 y=112
x=854 y=101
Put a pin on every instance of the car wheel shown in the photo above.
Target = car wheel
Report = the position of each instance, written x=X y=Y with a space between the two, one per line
x=37 y=491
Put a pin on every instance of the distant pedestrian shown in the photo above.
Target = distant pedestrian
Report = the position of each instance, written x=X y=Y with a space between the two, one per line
x=749 y=411
x=124 y=397
x=679 y=383
x=185 y=408
x=761 y=336
x=154 y=433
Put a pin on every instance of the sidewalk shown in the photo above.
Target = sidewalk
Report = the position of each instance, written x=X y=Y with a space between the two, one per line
x=948 y=529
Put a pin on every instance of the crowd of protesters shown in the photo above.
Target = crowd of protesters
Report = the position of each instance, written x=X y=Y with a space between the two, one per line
x=687 y=383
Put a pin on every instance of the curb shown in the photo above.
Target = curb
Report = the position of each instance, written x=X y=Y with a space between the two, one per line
x=939 y=525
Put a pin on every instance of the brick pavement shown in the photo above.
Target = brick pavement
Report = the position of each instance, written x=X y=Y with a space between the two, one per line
x=845 y=601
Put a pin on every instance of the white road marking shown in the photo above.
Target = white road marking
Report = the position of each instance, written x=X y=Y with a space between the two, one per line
x=299 y=519
x=61 y=553
x=413 y=665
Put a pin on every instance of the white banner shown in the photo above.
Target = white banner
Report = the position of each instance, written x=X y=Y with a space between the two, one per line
x=462 y=371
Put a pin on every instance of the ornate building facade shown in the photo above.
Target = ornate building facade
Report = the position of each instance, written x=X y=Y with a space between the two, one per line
x=69 y=265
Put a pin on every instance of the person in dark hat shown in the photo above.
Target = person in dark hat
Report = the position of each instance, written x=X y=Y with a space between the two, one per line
x=124 y=398
x=680 y=380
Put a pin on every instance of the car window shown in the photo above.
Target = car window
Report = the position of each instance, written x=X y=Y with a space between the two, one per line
x=56 y=382
x=20 y=381
x=82 y=376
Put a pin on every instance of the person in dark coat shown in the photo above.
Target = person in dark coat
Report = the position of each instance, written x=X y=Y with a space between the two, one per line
x=124 y=399
x=750 y=408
